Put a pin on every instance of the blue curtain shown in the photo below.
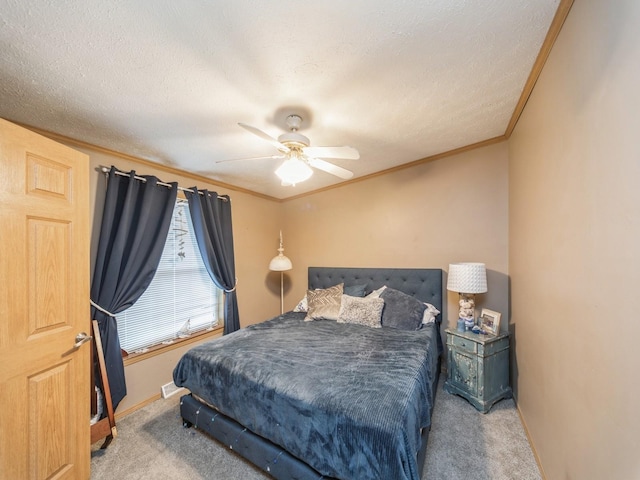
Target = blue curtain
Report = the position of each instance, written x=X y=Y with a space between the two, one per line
x=135 y=223
x=211 y=219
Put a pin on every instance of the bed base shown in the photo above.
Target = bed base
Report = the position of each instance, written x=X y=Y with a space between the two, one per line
x=262 y=453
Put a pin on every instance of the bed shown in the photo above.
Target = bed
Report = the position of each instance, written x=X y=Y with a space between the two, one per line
x=324 y=398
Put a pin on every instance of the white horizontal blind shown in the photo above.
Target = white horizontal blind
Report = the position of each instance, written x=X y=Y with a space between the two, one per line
x=181 y=298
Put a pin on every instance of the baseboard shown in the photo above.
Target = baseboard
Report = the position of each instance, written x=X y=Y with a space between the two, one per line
x=138 y=406
x=530 y=440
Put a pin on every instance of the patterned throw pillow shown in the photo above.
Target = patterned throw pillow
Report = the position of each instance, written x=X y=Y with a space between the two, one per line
x=324 y=303
x=361 y=311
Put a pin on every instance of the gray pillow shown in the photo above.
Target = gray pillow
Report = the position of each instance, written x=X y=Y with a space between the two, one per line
x=401 y=311
x=355 y=290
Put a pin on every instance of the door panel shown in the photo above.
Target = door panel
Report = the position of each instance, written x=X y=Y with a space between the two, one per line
x=46 y=432
x=44 y=304
x=465 y=372
x=48 y=267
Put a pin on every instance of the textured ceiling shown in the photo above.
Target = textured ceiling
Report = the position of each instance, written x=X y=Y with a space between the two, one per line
x=168 y=81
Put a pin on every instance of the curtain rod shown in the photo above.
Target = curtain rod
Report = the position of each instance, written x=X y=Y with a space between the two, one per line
x=106 y=171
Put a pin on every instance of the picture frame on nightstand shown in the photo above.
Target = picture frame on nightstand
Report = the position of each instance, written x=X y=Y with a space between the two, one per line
x=489 y=321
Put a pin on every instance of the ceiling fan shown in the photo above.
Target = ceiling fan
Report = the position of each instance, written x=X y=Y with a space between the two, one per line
x=299 y=156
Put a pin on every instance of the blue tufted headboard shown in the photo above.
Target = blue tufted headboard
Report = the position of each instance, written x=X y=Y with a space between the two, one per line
x=423 y=283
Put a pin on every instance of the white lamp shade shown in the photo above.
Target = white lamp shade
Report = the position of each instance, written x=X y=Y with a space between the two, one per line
x=467 y=278
x=280 y=263
x=294 y=171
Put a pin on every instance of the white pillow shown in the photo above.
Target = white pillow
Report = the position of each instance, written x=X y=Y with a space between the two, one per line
x=302 y=305
x=376 y=293
x=430 y=314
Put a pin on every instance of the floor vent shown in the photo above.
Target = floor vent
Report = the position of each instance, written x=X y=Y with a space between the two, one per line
x=170 y=389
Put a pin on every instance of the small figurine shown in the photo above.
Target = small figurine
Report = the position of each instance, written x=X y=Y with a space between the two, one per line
x=469 y=323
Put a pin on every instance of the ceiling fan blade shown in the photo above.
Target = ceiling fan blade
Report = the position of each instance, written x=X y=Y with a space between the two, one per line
x=265 y=136
x=249 y=158
x=349 y=153
x=330 y=168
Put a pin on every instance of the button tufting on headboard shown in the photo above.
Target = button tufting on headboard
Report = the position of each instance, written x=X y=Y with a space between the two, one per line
x=423 y=283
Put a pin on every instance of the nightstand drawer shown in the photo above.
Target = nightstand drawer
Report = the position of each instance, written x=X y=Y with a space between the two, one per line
x=464 y=344
x=491 y=348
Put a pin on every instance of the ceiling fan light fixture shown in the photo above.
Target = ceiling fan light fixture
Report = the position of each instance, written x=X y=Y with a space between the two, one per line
x=300 y=157
x=293 y=170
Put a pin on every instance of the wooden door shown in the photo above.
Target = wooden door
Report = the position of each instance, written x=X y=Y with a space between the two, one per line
x=44 y=305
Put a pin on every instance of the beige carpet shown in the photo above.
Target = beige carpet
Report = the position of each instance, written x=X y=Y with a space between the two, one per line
x=463 y=444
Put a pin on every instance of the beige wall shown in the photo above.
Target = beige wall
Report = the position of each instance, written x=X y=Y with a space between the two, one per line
x=575 y=247
x=255 y=226
x=450 y=210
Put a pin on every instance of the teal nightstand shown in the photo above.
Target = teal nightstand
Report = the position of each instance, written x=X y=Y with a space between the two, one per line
x=478 y=367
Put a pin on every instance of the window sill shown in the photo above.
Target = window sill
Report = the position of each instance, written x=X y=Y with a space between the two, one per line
x=177 y=343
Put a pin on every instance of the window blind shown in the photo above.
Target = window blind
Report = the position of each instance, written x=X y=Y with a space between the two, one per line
x=181 y=298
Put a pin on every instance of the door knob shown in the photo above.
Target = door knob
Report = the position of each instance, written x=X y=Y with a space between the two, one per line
x=81 y=338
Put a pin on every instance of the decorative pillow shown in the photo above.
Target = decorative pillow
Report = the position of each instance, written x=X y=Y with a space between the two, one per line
x=355 y=290
x=401 y=311
x=324 y=303
x=430 y=314
x=361 y=311
x=302 y=305
x=377 y=293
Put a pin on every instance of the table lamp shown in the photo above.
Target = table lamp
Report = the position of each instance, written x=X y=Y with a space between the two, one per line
x=467 y=279
x=280 y=263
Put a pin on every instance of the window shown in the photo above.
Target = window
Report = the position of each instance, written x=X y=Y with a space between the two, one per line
x=181 y=298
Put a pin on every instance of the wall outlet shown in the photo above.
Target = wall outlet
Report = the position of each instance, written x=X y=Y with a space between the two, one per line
x=170 y=389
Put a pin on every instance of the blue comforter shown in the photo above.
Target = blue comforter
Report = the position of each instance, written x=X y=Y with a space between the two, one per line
x=348 y=400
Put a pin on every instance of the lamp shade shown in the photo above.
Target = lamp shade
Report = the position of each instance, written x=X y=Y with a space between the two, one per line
x=467 y=278
x=280 y=263
x=294 y=170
